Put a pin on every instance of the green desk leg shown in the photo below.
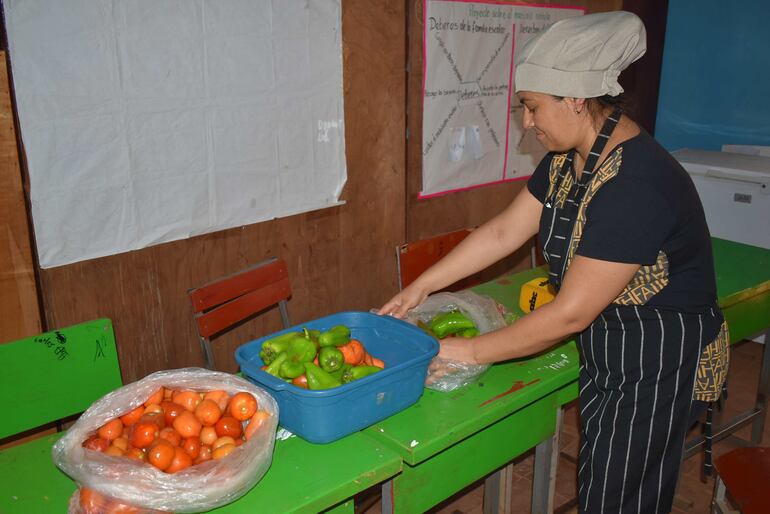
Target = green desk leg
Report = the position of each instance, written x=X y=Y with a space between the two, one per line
x=423 y=485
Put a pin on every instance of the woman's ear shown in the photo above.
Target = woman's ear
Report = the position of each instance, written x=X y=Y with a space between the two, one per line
x=577 y=105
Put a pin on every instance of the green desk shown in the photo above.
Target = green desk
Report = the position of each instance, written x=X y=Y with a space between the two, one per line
x=295 y=482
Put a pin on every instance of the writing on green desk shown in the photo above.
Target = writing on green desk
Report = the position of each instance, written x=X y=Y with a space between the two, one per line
x=57 y=343
x=99 y=354
x=517 y=384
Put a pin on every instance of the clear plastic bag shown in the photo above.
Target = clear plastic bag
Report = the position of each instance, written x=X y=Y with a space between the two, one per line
x=198 y=488
x=488 y=315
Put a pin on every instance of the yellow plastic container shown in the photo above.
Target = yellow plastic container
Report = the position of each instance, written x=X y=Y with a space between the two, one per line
x=535 y=293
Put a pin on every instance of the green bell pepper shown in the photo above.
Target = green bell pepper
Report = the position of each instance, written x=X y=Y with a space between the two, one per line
x=301 y=349
x=330 y=358
x=274 y=367
x=338 y=374
x=335 y=336
x=318 y=378
x=469 y=333
x=291 y=369
x=448 y=323
x=275 y=345
x=357 y=372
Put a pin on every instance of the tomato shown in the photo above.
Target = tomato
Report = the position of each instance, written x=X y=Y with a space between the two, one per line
x=121 y=442
x=92 y=502
x=96 y=443
x=133 y=416
x=242 y=406
x=180 y=461
x=204 y=454
x=191 y=446
x=300 y=381
x=208 y=412
x=221 y=398
x=187 y=424
x=161 y=454
x=153 y=417
x=170 y=435
x=228 y=425
x=239 y=441
x=155 y=397
x=187 y=399
x=257 y=420
x=222 y=451
x=153 y=408
x=143 y=434
x=111 y=430
x=208 y=435
x=170 y=411
x=225 y=439
x=135 y=453
x=114 y=451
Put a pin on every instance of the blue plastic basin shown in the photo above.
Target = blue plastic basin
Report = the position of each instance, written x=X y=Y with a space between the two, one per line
x=326 y=415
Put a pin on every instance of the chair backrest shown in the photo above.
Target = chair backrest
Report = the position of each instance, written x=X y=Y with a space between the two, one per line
x=416 y=257
x=54 y=375
x=224 y=302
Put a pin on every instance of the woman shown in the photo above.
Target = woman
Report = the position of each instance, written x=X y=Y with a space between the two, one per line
x=628 y=251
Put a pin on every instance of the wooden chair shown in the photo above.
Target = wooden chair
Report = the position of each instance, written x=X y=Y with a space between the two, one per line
x=221 y=304
x=416 y=257
x=46 y=378
x=744 y=474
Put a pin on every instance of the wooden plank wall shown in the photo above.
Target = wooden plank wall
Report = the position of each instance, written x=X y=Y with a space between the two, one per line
x=19 y=308
x=465 y=208
x=339 y=258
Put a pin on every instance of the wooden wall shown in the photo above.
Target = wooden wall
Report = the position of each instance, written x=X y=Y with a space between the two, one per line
x=339 y=258
x=19 y=309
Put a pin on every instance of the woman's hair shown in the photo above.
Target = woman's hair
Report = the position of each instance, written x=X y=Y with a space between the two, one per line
x=597 y=106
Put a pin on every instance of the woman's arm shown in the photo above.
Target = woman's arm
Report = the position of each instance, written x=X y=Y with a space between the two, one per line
x=590 y=285
x=495 y=239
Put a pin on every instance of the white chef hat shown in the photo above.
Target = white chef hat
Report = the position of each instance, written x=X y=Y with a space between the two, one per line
x=581 y=57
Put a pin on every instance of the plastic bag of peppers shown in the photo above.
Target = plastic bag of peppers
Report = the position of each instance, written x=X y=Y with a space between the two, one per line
x=461 y=314
x=315 y=359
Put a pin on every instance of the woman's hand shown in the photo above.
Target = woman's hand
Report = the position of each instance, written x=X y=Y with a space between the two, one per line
x=409 y=298
x=458 y=349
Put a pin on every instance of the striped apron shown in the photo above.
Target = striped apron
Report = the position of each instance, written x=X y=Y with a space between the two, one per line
x=638 y=364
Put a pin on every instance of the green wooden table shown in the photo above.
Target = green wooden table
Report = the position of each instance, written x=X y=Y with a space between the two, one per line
x=450 y=440
x=303 y=477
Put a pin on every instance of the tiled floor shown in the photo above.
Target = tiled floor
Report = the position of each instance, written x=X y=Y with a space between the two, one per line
x=694 y=493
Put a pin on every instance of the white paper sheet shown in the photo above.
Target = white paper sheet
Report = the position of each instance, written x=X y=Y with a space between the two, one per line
x=472 y=133
x=147 y=121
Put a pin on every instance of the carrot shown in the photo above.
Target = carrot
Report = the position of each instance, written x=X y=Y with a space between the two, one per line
x=367 y=359
x=378 y=362
x=353 y=352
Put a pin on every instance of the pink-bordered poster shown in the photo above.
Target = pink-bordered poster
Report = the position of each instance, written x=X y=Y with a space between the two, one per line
x=471 y=129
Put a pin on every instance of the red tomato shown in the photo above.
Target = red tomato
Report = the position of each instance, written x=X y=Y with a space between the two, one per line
x=111 y=430
x=221 y=398
x=187 y=399
x=228 y=425
x=187 y=424
x=222 y=451
x=257 y=420
x=170 y=435
x=208 y=412
x=133 y=416
x=242 y=406
x=161 y=454
x=143 y=434
x=96 y=443
x=180 y=461
x=204 y=455
x=208 y=435
x=191 y=446
x=170 y=411
x=155 y=397
x=92 y=502
x=135 y=453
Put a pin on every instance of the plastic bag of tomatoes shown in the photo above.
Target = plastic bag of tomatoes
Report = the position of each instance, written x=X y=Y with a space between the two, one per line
x=185 y=440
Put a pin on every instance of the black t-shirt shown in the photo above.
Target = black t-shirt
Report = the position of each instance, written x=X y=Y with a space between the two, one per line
x=649 y=206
